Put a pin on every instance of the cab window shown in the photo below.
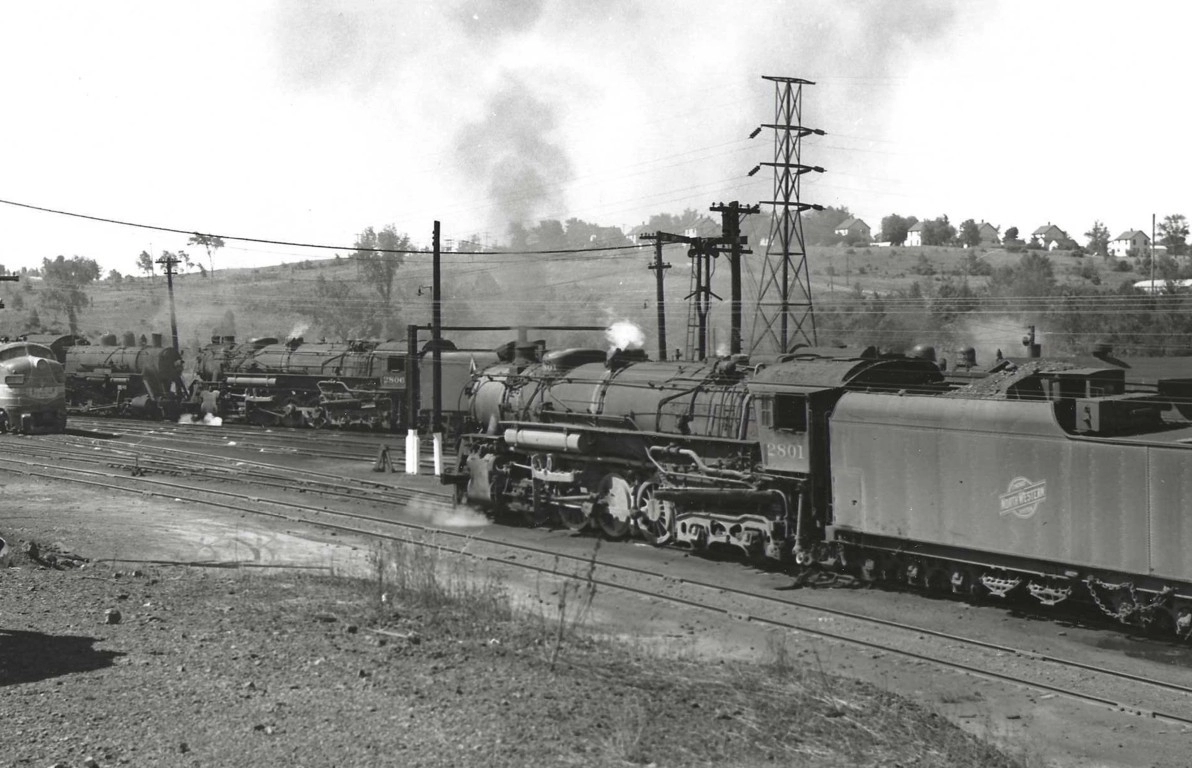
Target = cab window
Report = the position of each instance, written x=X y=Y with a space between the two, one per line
x=790 y=413
x=785 y=412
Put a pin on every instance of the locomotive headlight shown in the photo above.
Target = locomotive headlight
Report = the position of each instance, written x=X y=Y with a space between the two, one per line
x=15 y=380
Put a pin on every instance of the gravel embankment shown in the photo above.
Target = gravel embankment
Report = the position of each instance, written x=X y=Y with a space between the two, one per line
x=220 y=667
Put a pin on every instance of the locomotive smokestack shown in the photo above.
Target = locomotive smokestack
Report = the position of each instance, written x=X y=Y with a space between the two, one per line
x=525 y=353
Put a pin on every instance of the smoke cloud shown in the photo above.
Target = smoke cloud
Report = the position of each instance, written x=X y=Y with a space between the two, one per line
x=625 y=335
x=512 y=150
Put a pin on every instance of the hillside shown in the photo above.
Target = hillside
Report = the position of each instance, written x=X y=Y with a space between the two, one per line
x=321 y=298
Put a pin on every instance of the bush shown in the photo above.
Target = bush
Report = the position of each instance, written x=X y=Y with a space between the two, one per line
x=923 y=266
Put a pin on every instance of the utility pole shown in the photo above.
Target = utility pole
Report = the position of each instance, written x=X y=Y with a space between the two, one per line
x=659 y=268
x=730 y=228
x=702 y=251
x=8 y=279
x=437 y=334
x=785 y=270
x=168 y=261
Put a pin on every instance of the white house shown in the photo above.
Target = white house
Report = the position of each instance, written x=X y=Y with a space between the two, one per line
x=1131 y=240
x=914 y=235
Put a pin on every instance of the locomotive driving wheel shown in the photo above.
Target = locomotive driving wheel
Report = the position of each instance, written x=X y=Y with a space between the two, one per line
x=575 y=516
x=614 y=506
x=654 y=519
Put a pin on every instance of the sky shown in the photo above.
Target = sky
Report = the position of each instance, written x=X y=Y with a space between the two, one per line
x=308 y=121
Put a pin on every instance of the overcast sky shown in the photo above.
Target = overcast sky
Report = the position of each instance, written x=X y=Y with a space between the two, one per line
x=309 y=121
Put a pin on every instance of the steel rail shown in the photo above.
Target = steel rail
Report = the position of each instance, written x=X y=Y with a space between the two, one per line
x=653 y=594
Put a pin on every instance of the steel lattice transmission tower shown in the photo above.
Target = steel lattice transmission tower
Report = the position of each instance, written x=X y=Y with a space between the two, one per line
x=783 y=316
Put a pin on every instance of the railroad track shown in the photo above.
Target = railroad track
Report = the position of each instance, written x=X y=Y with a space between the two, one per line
x=369 y=509
x=312 y=443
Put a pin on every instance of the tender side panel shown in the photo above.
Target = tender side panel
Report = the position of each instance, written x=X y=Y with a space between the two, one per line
x=1170 y=481
x=993 y=476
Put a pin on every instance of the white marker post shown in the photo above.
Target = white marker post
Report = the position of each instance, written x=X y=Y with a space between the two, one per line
x=438 y=442
x=412 y=450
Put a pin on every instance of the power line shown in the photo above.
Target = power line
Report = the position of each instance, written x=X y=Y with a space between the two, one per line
x=296 y=244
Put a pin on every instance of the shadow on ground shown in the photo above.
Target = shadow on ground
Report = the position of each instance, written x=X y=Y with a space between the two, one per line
x=27 y=657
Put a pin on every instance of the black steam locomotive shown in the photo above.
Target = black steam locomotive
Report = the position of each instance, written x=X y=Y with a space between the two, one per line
x=363 y=383
x=119 y=377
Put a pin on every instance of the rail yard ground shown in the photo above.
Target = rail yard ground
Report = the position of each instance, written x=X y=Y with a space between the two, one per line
x=281 y=644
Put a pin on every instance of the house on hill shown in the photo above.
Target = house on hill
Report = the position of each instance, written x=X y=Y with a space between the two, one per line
x=1051 y=237
x=1132 y=240
x=989 y=234
x=914 y=235
x=853 y=229
x=700 y=226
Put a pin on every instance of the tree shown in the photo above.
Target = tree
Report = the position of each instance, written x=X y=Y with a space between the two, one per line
x=337 y=309
x=1011 y=236
x=938 y=231
x=1099 y=239
x=65 y=285
x=819 y=227
x=378 y=256
x=975 y=266
x=145 y=263
x=970 y=235
x=211 y=243
x=1034 y=275
x=115 y=277
x=1174 y=231
x=894 y=228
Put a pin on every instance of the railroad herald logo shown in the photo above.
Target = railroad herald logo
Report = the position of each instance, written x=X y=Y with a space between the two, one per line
x=1023 y=497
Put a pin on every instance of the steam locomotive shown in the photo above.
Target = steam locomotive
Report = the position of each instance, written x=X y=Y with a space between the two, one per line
x=1043 y=477
x=32 y=390
x=119 y=377
x=264 y=381
x=361 y=383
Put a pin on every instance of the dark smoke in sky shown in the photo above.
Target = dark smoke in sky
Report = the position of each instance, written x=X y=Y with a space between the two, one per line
x=497 y=80
x=511 y=151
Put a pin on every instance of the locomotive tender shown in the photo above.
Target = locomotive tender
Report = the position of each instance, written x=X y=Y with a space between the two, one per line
x=32 y=389
x=1042 y=477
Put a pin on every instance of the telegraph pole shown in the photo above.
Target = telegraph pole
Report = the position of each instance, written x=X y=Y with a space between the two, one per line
x=437 y=334
x=168 y=261
x=730 y=228
x=8 y=279
x=659 y=267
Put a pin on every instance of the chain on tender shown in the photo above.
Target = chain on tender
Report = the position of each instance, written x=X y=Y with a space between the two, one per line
x=1136 y=610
